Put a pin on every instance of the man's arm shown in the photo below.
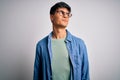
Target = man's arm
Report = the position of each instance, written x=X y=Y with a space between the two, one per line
x=37 y=65
x=85 y=64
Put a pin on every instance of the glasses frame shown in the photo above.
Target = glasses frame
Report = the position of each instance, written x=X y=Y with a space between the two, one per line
x=62 y=13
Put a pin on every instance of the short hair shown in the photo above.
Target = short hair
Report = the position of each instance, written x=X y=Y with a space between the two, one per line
x=59 y=5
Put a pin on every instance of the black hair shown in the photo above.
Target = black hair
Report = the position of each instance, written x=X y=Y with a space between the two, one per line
x=59 y=5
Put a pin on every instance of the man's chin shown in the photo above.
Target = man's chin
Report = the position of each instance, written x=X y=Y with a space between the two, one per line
x=64 y=25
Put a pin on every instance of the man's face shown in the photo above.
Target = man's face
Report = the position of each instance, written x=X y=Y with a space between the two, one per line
x=60 y=18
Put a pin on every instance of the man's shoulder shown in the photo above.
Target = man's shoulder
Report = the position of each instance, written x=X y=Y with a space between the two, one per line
x=43 y=41
x=77 y=39
x=74 y=38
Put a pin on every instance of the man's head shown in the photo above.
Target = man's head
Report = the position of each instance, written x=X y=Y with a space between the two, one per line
x=59 y=5
x=60 y=14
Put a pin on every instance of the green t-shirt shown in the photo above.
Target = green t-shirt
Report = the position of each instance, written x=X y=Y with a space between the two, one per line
x=60 y=60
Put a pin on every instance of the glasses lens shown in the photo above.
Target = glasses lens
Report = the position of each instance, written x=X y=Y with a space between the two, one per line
x=62 y=13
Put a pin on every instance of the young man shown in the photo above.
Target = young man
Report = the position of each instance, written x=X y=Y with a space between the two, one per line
x=60 y=55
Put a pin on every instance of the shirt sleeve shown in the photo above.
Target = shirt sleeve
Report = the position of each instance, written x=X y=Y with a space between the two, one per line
x=85 y=63
x=37 y=65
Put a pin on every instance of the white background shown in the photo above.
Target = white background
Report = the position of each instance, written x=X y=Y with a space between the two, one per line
x=24 y=22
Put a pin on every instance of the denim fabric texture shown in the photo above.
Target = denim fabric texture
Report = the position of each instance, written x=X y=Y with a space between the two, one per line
x=79 y=65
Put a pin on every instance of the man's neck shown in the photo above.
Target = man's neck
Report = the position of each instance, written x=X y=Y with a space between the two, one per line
x=59 y=33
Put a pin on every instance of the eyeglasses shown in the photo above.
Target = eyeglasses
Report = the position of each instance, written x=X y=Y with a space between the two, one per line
x=62 y=13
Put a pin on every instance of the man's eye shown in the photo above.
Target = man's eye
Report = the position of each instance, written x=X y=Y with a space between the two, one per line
x=62 y=12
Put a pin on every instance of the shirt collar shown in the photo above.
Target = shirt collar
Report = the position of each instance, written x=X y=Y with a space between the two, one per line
x=68 y=37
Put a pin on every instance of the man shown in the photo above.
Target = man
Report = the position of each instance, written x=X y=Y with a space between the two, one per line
x=60 y=55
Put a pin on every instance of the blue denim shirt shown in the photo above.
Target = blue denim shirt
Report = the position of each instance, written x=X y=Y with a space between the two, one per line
x=79 y=69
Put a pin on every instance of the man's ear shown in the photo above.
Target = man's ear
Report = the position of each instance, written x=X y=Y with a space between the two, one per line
x=51 y=17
